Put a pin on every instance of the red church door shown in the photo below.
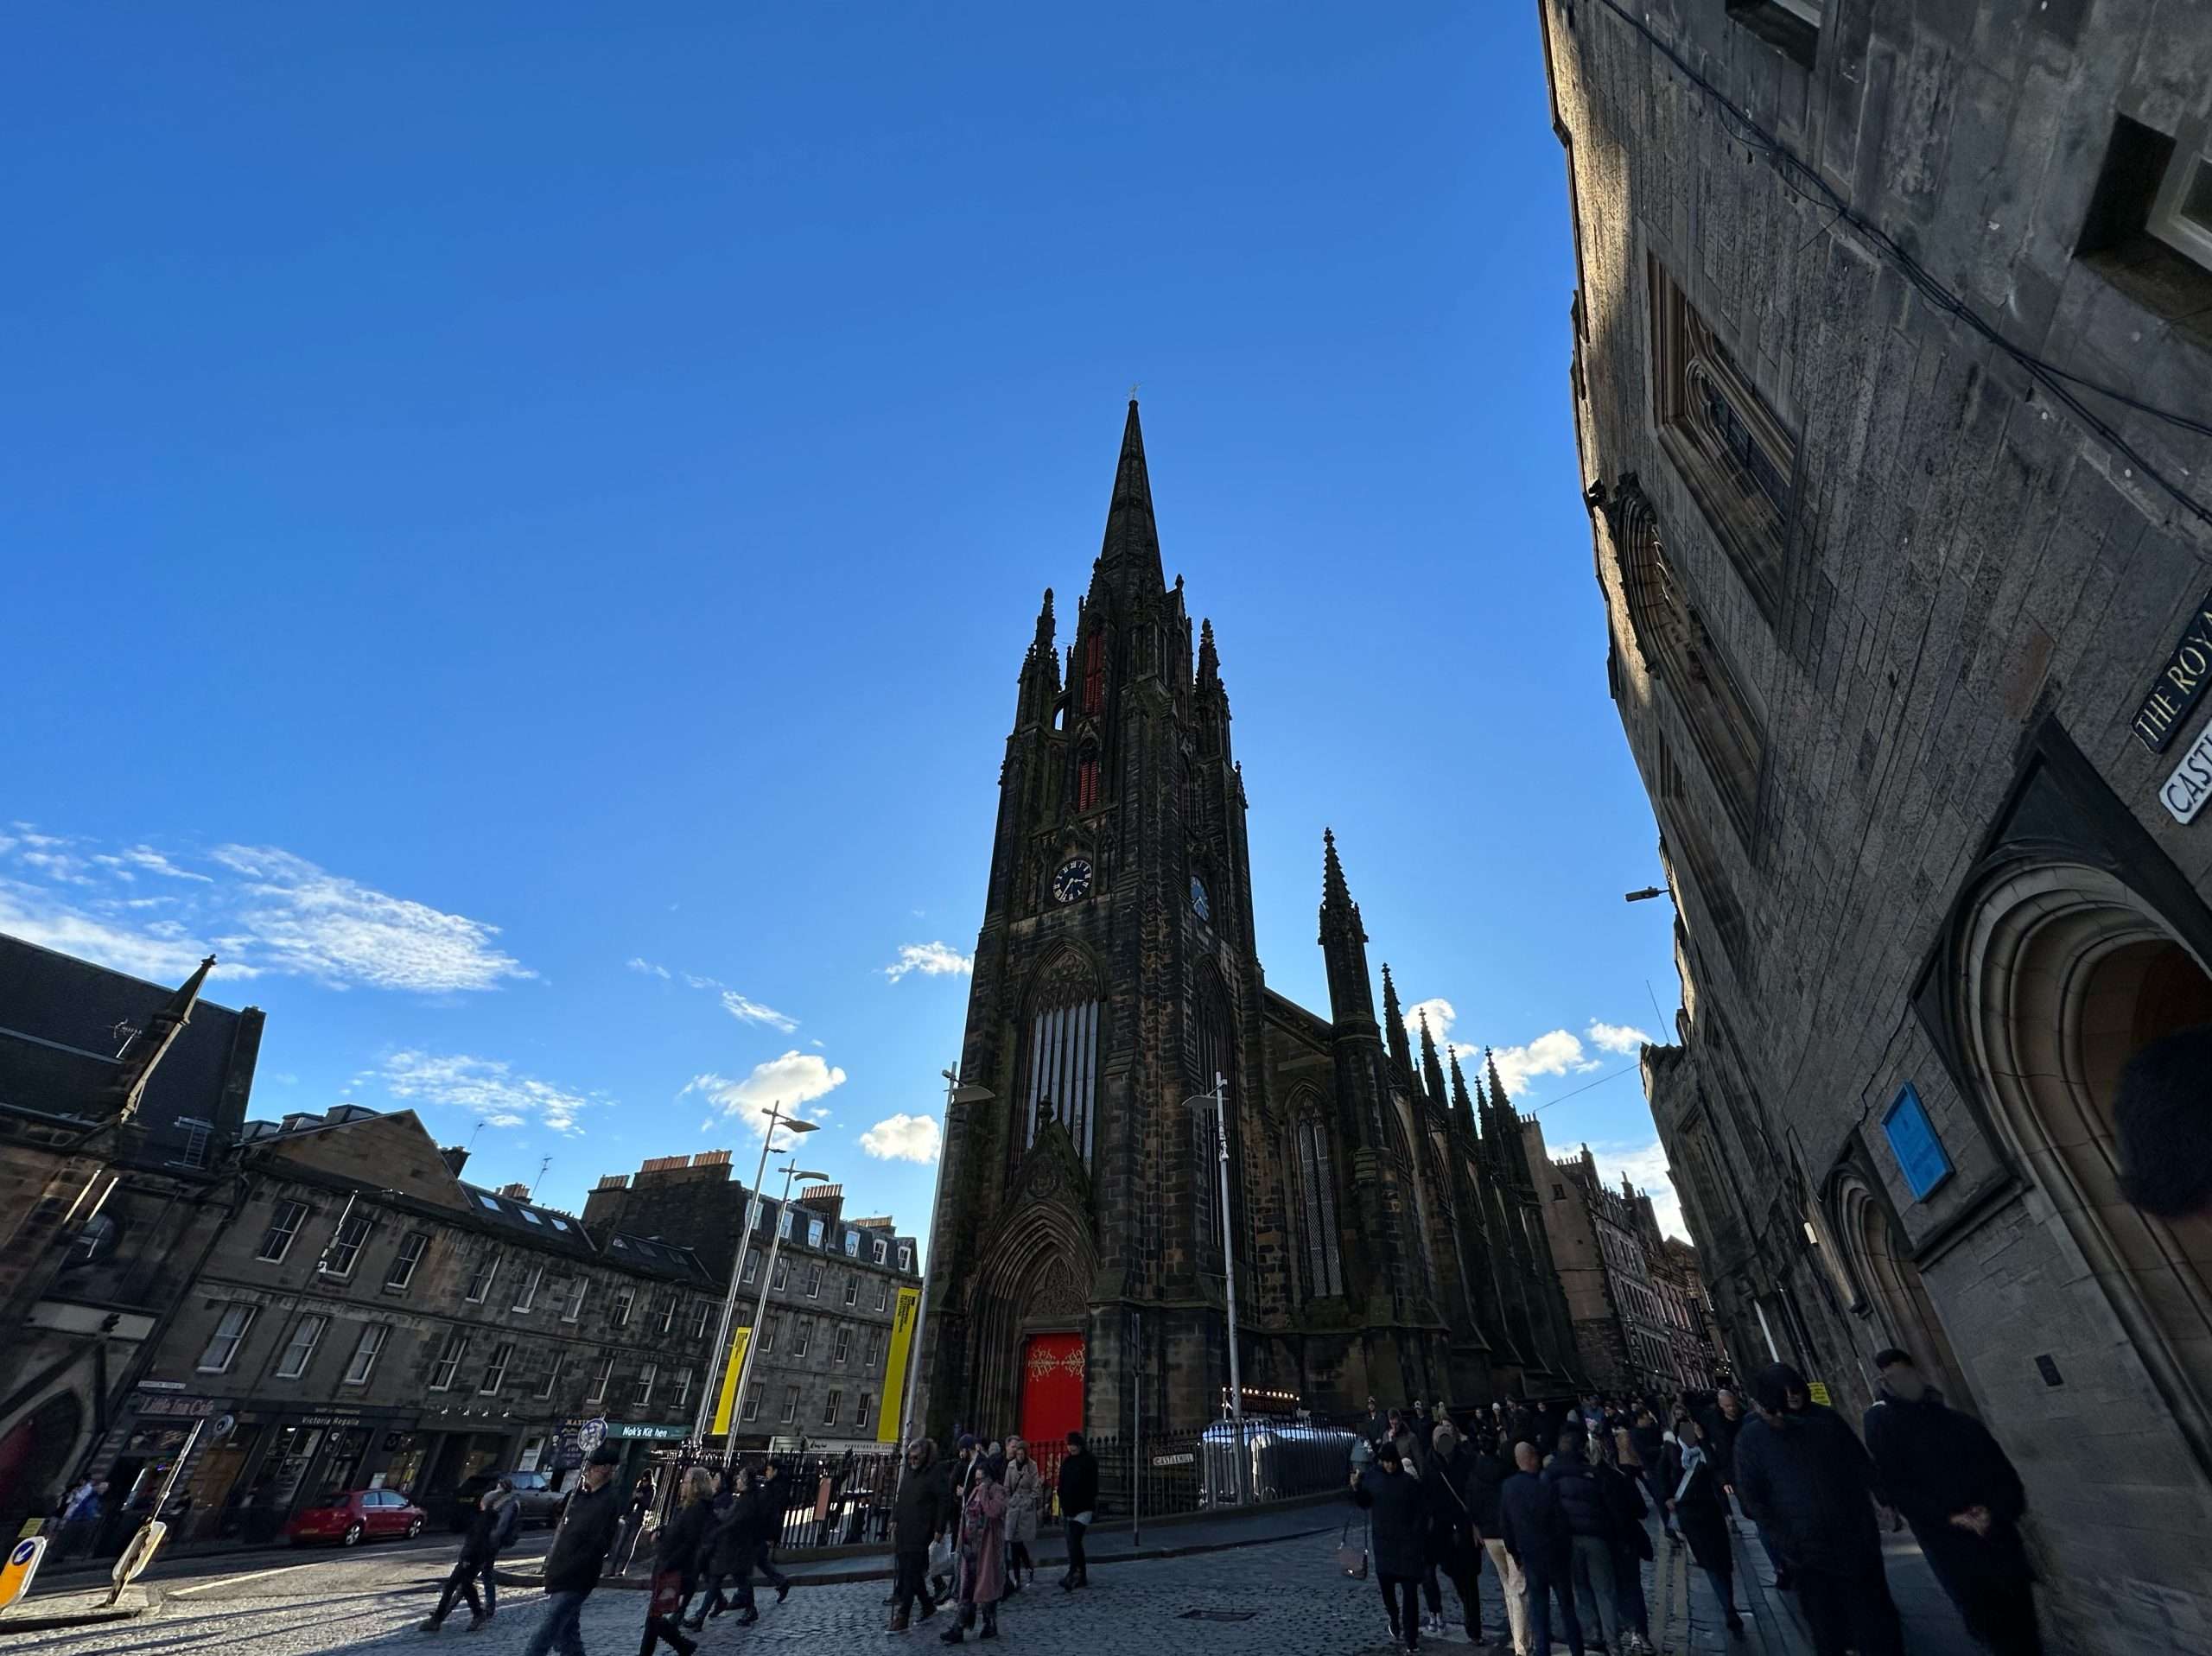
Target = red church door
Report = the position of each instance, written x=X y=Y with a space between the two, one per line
x=1052 y=1393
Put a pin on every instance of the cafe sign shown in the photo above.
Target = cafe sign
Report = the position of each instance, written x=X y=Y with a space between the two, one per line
x=2180 y=684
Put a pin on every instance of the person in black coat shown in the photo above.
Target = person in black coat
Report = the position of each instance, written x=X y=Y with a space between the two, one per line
x=920 y=1513
x=1631 y=1544
x=675 y=1551
x=727 y=1549
x=1951 y=1482
x=1808 y=1483
x=775 y=1492
x=1399 y=1537
x=1078 y=1499
x=490 y=1526
x=1539 y=1539
x=1454 y=1548
x=1593 y=1539
x=1700 y=1510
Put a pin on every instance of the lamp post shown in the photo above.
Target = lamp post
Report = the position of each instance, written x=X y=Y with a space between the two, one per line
x=1219 y=1099
x=776 y=1118
x=955 y=1095
x=792 y=1171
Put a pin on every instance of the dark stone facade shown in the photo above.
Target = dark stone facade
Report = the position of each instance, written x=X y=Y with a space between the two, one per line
x=1879 y=335
x=1383 y=1241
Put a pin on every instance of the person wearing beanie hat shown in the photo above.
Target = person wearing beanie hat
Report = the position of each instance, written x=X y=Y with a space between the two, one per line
x=1807 y=1481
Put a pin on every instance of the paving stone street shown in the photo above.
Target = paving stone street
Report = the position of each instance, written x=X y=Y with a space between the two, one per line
x=1286 y=1596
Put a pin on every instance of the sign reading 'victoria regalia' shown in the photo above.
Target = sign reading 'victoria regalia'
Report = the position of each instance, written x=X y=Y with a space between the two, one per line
x=2180 y=684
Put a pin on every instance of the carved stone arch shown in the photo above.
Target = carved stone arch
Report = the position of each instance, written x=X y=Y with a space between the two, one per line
x=1670 y=634
x=1037 y=1265
x=1313 y=1172
x=1884 y=1285
x=1057 y=1061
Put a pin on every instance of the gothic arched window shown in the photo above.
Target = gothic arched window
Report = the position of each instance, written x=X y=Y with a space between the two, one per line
x=1216 y=1048
x=1317 y=1209
x=1094 y=670
x=1059 y=1068
x=1086 y=776
x=1728 y=733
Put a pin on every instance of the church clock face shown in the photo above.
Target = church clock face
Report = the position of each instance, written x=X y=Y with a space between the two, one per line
x=1073 y=881
x=1198 y=904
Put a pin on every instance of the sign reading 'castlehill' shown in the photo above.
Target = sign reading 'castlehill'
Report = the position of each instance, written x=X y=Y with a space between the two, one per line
x=2180 y=684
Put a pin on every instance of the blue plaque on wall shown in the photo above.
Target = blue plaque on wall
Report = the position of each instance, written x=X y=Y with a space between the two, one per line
x=1920 y=1153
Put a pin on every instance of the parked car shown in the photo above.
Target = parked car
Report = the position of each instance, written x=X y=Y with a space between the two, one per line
x=350 y=1516
x=541 y=1502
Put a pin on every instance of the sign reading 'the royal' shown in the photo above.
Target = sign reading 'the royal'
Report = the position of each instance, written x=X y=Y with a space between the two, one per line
x=2180 y=684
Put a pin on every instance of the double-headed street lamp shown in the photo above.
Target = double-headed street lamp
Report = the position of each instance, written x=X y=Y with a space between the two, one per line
x=1216 y=1100
x=792 y=1171
x=776 y=1118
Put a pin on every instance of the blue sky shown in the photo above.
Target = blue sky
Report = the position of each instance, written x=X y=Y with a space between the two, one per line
x=521 y=523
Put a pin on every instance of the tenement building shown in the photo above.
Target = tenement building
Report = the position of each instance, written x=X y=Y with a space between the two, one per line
x=1889 y=370
x=1383 y=1223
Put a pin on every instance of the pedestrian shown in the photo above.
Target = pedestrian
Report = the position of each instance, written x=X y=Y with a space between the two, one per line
x=633 y=1526
x=1490 y=1471
x=1078 y=1498
x=982 y=1550
x=1391 y=1491
x=1539 y=1540
x=675 y=1563
x=726 y=1552
x=1700 y=1510
x=1809 y=1484
x=768 y=1528
x=959 y=1477
x=1376 y=1426
x=81 y=1518
x=1649 y=1440
x=1025 y=1496
x=920 y=1513
x=1633 y=1547
x=1454 y=1543
x=1590 y=1522
x=480 y=1546
x=1406 y=1440
x=579 y=1548
x=1951 y=1482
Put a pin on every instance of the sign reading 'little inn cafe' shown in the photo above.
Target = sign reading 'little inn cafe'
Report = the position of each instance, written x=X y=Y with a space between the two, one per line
x=2180 y=684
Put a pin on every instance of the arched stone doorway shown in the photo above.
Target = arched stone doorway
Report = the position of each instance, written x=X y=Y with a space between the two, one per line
x=1891 y=1296
x=2067 y=974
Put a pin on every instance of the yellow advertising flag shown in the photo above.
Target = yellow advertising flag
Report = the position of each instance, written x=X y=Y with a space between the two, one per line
x=726 y=1404
x=894 y=1372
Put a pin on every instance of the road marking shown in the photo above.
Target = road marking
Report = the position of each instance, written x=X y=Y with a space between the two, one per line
x=229 y=1581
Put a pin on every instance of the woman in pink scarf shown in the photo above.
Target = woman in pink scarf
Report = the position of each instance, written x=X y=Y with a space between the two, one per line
x=982 y=1550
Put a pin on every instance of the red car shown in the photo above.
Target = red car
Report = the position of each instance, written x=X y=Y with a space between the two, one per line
x=353 y=1516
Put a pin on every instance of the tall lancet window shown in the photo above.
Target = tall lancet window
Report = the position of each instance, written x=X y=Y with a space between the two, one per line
x=1317 y=1202
x=1059 y=1071
x=1216 y=1053
x=1094 y=670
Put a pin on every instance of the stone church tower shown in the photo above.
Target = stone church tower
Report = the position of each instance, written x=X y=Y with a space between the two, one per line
x=1379 y=1243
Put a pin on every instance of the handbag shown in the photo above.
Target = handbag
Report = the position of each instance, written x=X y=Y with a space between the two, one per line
x=1351 y=1560
x=668 y=1593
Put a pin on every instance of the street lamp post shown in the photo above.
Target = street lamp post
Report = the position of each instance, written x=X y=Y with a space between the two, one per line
x=792 y=1171
x=1219 y=1099
x=955 y=1095
x=776 y=1118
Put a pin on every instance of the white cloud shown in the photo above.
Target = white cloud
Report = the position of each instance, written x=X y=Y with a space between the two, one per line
x=1439 y=1013
x=325 y=926
x=796 y=1078
x=146 y=857
x=931 y=959
x=638 y=964
x=752 y=1012
x=902 y=1138
x=1557 y=1053
x=162 y=952
x=503 y=1097
x=1646 y=1168
x=1625 y=1039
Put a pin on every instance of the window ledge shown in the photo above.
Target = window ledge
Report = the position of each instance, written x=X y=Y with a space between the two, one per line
x=2169 y=285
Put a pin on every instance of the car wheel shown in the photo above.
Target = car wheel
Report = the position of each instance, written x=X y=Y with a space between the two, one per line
x=353 y=1536
x=414 y=1528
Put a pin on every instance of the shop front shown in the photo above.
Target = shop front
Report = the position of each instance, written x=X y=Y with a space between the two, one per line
x=636 y=1440
x=285 y=1456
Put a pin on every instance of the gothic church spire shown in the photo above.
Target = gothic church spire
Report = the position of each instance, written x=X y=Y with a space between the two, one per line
x=1128 y=561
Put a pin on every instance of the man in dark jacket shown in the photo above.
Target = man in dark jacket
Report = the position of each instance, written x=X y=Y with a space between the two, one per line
x=1589 y=1523
x=1078 y=1497
x=1454 y=1543
x=1537 y=1538
x=572 y=1564
x=1392 y=1491
x=1805 y=1480
x=775 y=1500
x=1955 y=1486
x=918 y=1515
x=490 y=1527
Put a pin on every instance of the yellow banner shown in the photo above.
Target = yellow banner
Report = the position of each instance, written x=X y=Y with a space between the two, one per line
x=727 y=1403
x=894 y=1372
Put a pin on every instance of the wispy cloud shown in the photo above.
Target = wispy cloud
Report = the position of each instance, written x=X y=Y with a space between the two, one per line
x=931 y=959
x=752 y=1012
x=260 y=910
x=796 y=1078
x=902 y=1138
x=502 y=1096
x=1625 y=1039
x=647 y=968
